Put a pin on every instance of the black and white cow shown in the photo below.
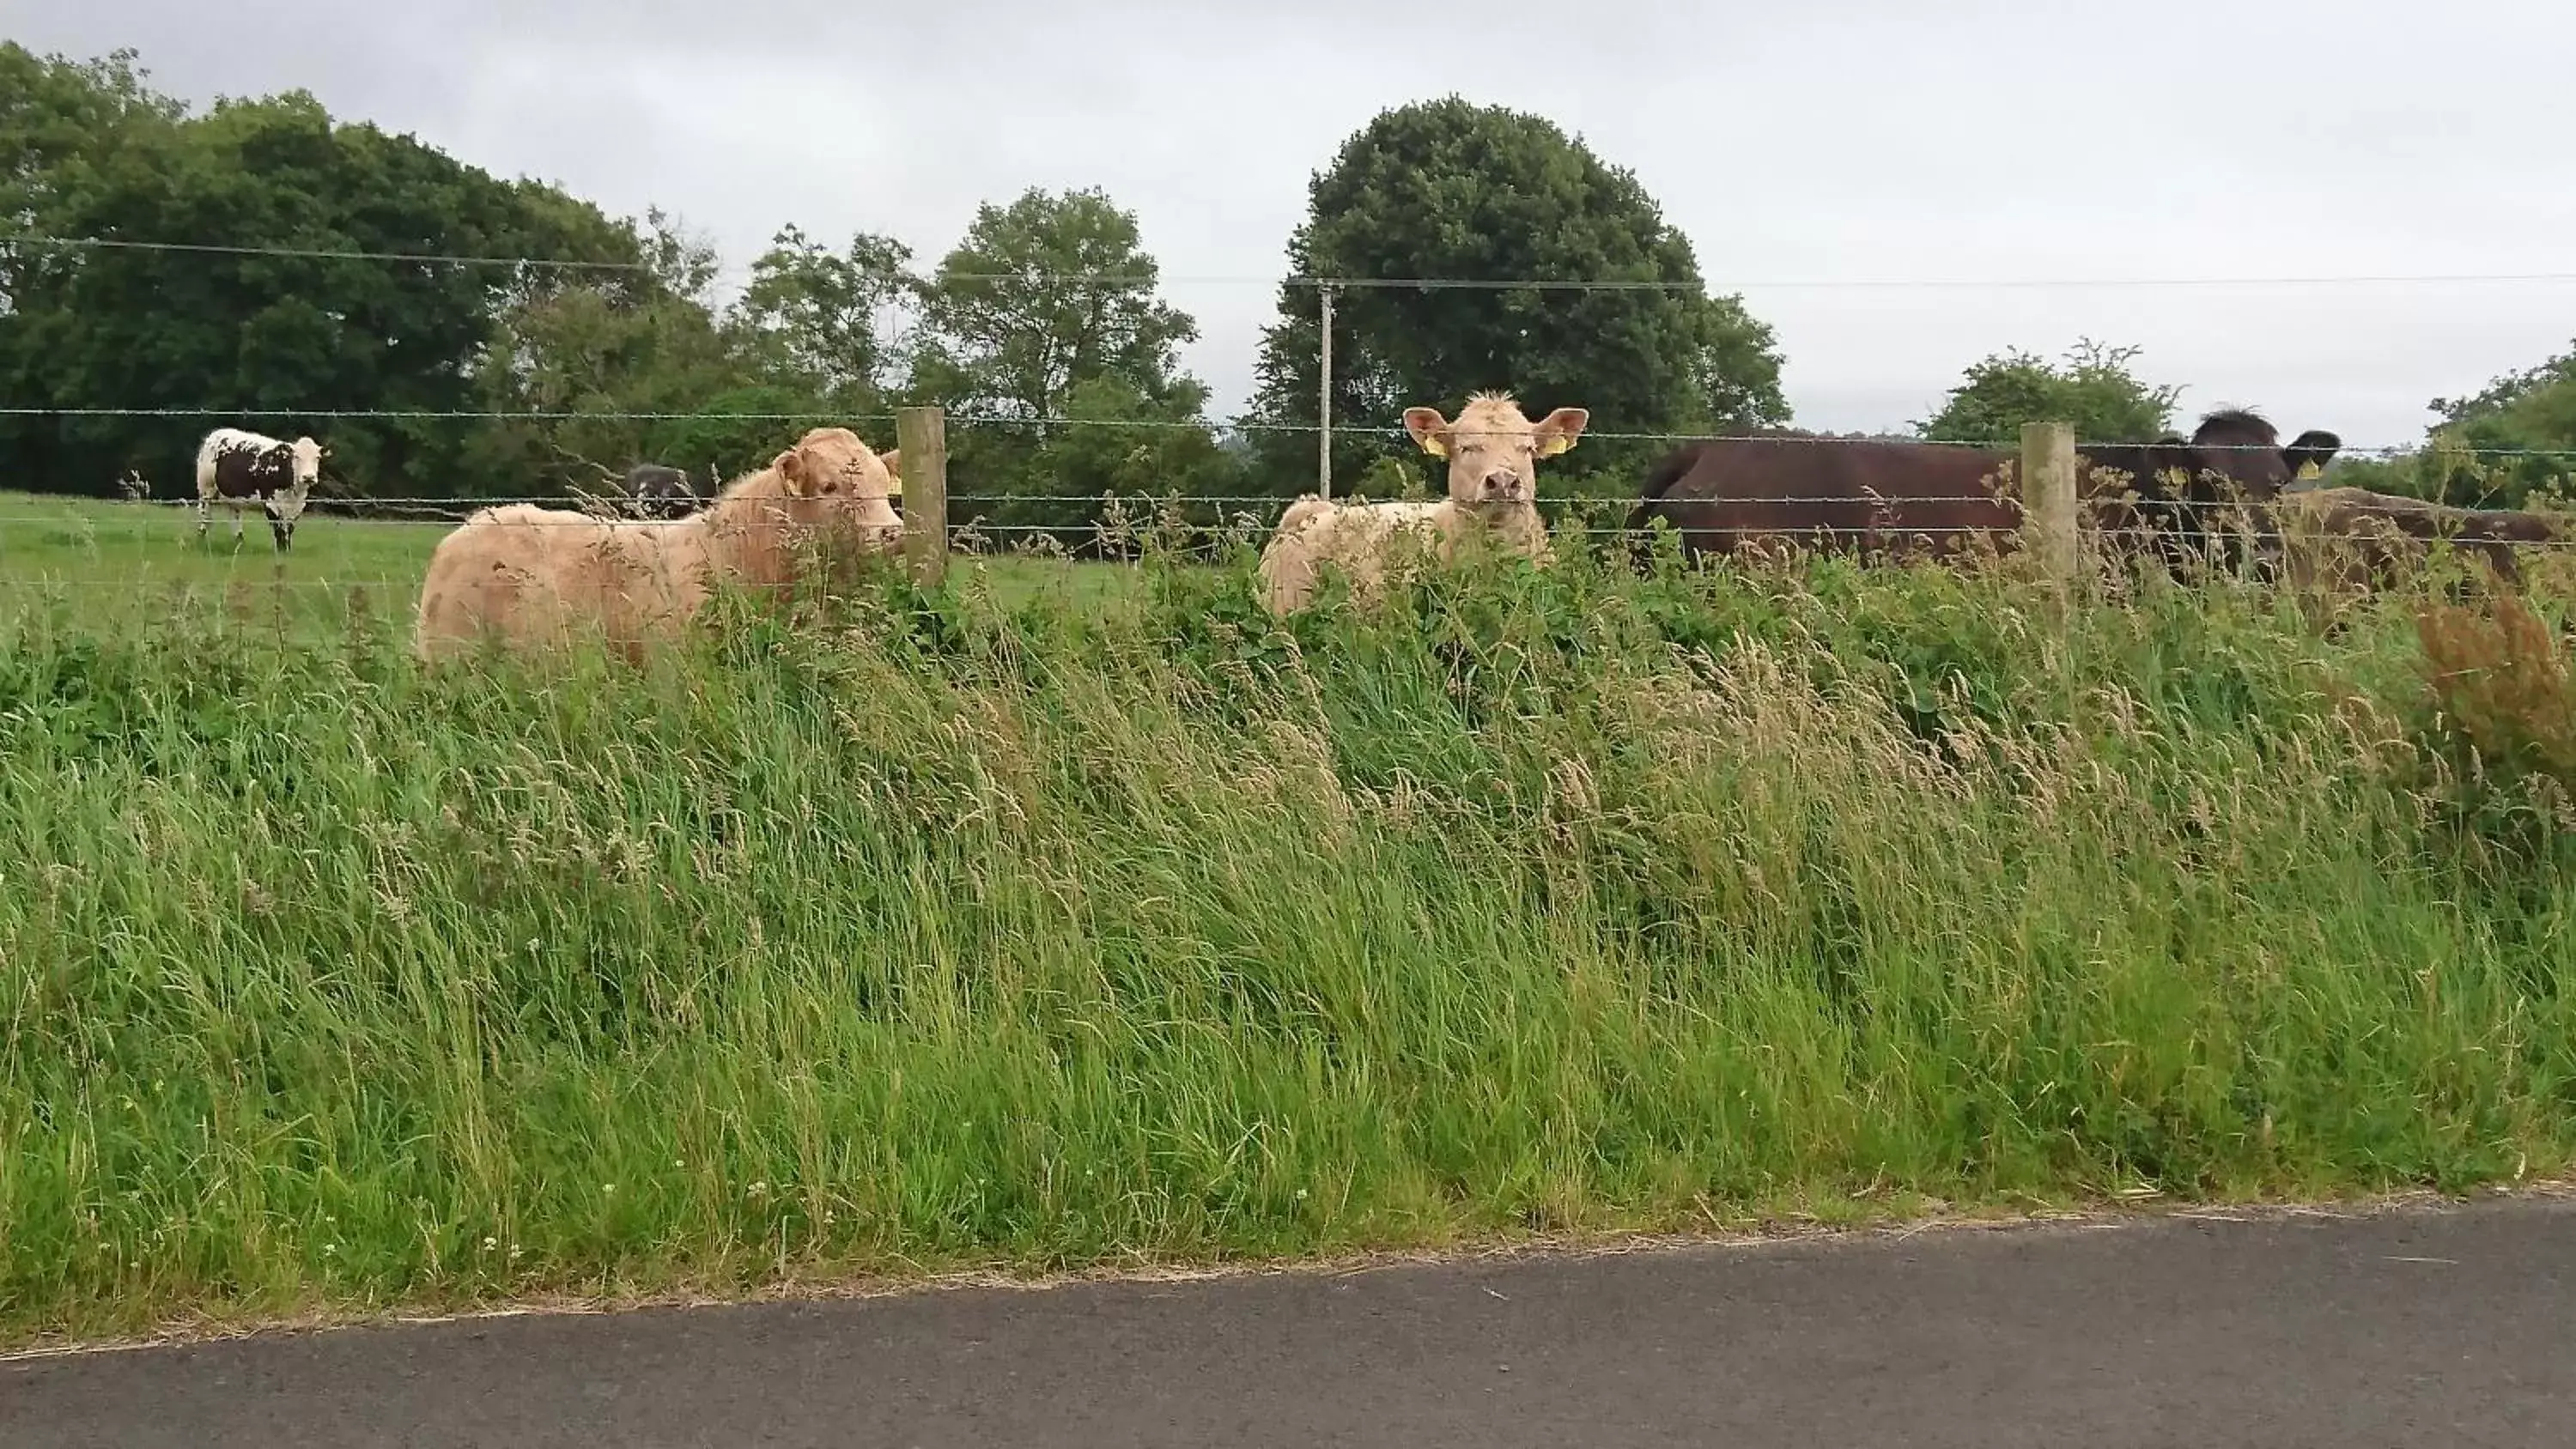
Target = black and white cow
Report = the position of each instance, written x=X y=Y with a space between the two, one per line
x=659 y=492
x=241 y=470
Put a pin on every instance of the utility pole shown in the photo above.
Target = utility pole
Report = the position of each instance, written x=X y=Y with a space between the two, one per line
x=1324 y=401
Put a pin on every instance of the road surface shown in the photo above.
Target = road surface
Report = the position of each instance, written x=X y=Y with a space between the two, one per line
x=2452 y=1328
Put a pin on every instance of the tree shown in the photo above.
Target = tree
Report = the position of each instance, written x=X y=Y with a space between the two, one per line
x=55 y=114
x=1121 y=444
x=2094 y=390
x=1051 y=291
x=1448 y=189
x=727 y=434
x=816 y=321
x=617 y=347
x=278 y=331
x=2494 y=448
x=59 y=119
x=1046 y=303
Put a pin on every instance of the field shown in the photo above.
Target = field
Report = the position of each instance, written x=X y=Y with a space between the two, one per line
x=86 y=556
x=999 y=925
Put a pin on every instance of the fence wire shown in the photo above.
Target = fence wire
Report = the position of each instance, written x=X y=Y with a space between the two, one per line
x=1156 y=278
x=885 y=422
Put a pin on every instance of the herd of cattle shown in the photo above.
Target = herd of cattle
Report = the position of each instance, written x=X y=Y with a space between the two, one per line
x=2232 y=485
x=524 y=572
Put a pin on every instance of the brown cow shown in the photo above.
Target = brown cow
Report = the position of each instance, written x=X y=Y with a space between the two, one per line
x=529 y=574
x=2352 y=538
x=1902 y=498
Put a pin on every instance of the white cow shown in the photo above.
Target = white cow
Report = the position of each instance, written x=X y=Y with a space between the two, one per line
x=241 y=470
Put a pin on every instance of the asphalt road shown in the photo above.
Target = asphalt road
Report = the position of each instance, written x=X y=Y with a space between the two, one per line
x=2451 y=1328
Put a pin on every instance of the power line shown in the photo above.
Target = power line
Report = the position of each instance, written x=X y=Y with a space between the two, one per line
x=459 y=415
x=1158 y=278
x=1436 y=284
x=318 y=254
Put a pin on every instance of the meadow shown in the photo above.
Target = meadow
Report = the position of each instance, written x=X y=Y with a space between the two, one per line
x=82 y=558
x=1078 y=915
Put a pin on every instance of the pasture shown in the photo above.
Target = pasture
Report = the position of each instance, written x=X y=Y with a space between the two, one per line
x=88 y=559
x=995 y=925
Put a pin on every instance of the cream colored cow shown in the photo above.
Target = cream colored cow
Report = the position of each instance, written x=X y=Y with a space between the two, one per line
x=1493 y=453
x=529 y=574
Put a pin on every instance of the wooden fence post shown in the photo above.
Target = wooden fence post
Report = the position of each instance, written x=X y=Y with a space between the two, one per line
x=2048 y=495
x=922 y=434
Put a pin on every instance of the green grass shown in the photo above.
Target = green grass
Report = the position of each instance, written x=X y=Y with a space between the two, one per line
x=83 y=559
x=976 y=929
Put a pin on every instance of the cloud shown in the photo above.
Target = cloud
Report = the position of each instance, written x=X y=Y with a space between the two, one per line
x=1841 y=141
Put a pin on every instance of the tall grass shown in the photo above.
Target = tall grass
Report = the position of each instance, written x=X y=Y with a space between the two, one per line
x=962 y=932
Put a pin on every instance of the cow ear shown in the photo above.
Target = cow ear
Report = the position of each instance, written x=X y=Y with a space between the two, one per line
x=893 y=460
x=2312 y=449
x=791 y=471
x=1558 y=432
x=1428 y=429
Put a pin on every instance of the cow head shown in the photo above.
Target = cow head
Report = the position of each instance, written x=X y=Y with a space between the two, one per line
x=1492 y=450
x=833 y=463
x=306 y=456
x=2189 y=489
x=2235 y=454
x=659 y=492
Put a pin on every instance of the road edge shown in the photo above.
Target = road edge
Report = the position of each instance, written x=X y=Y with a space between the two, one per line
x=1787 y=1230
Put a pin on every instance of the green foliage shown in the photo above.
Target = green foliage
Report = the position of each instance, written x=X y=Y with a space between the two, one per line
x=740 y=429
x=1004 y=334
x=59 y=117
x=954 y=932
x=140 y=328
x=1451 y=189
x=2512 y=444
x=2534 y=410
x=2094 y=390
x=610 y=347
x=638 y=350
x=815 y=321
x=2503 y=395
x=1125 y=446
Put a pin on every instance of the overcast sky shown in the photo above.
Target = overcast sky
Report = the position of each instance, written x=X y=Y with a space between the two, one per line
x=1805 y=146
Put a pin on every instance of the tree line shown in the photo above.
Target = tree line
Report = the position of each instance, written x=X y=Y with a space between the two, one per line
x=618 y=345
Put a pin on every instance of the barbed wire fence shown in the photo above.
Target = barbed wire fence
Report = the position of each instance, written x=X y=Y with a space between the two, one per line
x=988 y=525
x=43 y=242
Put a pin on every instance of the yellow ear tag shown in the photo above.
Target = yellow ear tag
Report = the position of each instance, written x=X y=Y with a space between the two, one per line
x=1435 y=447
x=1556 y=443
x=894 y=485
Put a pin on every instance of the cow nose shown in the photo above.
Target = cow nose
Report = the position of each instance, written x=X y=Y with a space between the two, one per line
x=1502 y=483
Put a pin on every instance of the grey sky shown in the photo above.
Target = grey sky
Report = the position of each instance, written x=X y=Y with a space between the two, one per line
x=1823 y=142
